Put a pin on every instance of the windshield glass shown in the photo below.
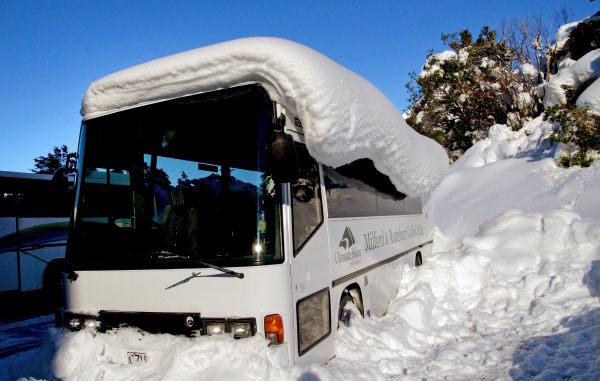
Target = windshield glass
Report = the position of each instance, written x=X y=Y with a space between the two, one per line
x=165 y=184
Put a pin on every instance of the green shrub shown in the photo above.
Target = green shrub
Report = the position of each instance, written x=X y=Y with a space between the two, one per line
x=579 y=129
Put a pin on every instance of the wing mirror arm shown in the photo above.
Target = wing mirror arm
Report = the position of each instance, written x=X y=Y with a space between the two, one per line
x=286 y=167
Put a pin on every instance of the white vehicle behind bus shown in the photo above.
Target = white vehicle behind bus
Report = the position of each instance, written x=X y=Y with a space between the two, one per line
x=34 y=220
x=237 y=189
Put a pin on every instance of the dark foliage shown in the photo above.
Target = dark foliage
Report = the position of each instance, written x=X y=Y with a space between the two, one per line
x=57 y=158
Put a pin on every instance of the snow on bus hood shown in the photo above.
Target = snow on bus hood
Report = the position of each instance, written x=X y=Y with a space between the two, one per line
x=345 y=118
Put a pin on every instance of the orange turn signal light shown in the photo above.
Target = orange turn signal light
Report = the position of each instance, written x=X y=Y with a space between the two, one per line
x=274 y=328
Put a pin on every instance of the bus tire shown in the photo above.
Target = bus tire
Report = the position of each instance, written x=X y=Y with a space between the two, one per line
x=345 y=315
x=350 y=295
x=52 y=282
x=418 y=259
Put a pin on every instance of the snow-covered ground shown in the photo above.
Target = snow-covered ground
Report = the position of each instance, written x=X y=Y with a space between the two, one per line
x=511 y=292
x=20 y=336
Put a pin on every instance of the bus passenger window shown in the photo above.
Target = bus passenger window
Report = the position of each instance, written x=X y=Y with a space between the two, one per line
x=307 y=209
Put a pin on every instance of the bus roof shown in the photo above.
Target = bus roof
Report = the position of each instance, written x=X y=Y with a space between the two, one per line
x=345 y=118
x=25 y=175
x=7 y=176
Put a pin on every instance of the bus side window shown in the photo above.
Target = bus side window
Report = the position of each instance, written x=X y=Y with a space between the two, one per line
x=307 y=210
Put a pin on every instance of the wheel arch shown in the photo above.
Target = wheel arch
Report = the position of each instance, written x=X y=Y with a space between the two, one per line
x=354 y=290
x=418 y=259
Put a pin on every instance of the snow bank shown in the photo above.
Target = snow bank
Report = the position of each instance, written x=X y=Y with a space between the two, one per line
x=503 y=143
x=345 y=118
x=481 y=311
x=536 y=183
x=512 y=290
x=83 y=355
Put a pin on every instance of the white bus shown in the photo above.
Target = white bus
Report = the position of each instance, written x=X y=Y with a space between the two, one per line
x=34 y=220
x=200 y=210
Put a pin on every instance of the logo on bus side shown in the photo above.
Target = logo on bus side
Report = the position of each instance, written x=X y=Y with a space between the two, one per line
x=347 y=247
x=347 y=239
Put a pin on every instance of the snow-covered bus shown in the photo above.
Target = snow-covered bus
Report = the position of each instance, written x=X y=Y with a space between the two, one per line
x=34 y=219
x=248 y=188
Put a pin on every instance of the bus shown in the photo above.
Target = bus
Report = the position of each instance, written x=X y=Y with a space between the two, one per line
x=34 y=219
x=203 y=207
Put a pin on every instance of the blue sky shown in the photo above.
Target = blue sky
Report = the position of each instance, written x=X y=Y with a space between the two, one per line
x=50 y=51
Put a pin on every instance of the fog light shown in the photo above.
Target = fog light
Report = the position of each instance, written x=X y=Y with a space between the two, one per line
x=272 y=337
x=215 y=328
x=74 y=323
x=189 y=321
x=241 y=330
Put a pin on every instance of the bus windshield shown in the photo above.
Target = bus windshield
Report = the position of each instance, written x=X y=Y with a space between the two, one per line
x=167 y=184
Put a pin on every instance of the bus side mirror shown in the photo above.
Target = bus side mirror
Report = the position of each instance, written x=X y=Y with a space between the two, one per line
x=60 y=185
x=285 y=160
x=60 y=176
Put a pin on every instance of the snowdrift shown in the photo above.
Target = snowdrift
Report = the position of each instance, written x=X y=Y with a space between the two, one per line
x=345 y=118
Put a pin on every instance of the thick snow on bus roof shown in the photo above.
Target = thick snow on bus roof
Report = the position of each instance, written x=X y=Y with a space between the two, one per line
x=345 y=118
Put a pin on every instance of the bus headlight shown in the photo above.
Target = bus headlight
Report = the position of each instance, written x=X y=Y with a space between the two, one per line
x=78 y=322
x=215 y=328
x=241 y=330
x=91 y=323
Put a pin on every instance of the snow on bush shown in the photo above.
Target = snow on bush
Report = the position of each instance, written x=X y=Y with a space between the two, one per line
x=585 y=69
x=563 y=34
x=433 y=62
x=590 y=98
x=528 y=69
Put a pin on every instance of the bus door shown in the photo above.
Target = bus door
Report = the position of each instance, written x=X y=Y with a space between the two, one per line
x=311 y=275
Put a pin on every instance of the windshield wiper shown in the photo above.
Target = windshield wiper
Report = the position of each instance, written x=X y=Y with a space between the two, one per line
x=165 y=254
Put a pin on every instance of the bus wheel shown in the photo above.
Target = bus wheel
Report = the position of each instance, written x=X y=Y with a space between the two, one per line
x=418 y=260
x=346 y=311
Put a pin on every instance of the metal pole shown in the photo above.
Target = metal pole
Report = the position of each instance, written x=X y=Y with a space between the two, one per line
x=18 y=236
